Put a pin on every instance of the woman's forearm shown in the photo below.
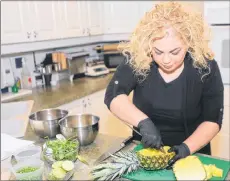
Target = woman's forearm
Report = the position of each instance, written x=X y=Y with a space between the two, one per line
x=202 y=136
x=125 y=110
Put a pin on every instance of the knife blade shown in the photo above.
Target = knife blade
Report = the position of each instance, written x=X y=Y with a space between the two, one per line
x=113 y=150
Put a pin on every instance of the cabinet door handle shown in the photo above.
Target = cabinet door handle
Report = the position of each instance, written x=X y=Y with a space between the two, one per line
x=35 y=34
x=83 y=31
x=28 y=35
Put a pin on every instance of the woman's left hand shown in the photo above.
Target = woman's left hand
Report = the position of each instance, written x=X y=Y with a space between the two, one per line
x=181 y=151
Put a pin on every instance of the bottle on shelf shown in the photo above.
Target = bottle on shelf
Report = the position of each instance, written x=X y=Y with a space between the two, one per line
x=26 y=76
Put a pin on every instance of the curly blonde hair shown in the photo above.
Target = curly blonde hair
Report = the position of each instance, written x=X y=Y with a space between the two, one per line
x=190 y=26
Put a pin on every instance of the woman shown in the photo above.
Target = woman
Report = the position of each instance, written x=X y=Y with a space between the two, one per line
x=177 y=86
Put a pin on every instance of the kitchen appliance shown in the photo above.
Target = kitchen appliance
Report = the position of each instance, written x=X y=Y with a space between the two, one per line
x=83 y=126
x=113 y=59
x=57 y=67
x=113 y=150
x=45 y=122
x=7 y=76
x=77 y=63
x=47 y=69
x=96 y=67
x=111 y=56
x=216 y=14
x=37 y=79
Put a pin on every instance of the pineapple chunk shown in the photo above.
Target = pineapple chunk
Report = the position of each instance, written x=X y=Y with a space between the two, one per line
x=216 y=172
x=213 y=171
x=153 y=152
x=208 y=172
x=189 y=168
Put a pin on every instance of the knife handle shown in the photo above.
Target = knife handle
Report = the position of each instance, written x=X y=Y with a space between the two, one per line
x=127 y=141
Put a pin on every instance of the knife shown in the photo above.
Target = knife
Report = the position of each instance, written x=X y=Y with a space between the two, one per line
x=161 y=148
x=113 y=150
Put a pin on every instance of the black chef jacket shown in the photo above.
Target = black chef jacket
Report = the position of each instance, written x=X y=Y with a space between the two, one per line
x=177 y=108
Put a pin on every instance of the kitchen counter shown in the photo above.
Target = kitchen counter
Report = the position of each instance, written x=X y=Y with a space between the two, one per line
x=65 y=92
x=92 y=152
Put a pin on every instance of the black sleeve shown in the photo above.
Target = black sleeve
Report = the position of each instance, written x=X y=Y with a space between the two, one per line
x=213 y=95
x=123 y=82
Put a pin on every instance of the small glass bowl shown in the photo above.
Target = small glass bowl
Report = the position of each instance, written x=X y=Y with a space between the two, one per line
x=29 y=153
x=34 y=175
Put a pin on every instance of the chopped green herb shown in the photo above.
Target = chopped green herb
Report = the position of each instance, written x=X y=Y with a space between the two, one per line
x=63 y=149
x=27 y=169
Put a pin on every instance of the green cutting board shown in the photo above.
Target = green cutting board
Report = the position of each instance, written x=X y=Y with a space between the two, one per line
x=142 y=174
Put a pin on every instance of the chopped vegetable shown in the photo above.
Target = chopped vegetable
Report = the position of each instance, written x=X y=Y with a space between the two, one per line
x=58 y=173
x=60 y=169
x=57 y=164
x=27 y=169
x=68 y=165
x=63 y=149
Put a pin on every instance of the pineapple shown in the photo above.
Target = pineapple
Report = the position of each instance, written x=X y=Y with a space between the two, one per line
x=152 y=159
x=189 y=168
x=212 y=170
x=208 y=172
x=216 y=172
x=122 y=163
x=130 y=161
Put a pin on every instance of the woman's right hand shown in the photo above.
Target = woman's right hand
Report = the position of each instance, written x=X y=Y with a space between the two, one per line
x=151 y=137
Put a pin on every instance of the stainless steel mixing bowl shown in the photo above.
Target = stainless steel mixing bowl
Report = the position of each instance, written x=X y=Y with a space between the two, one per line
x=45 y=122
x=83 y=126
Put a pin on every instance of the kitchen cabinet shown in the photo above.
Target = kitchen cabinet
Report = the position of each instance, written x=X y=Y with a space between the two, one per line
x=120 y=16
x=123 y=16
x=15 y=22
x=79 y=18
x=93 y=23
x=25 y=21
x=71 y=22
x=44 y=20
x=28 y=21
x=145 y=6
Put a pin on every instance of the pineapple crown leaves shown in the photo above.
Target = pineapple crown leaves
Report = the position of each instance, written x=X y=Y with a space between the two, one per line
x=122 y=163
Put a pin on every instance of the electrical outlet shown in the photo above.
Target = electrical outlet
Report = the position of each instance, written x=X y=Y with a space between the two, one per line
x=18 y=62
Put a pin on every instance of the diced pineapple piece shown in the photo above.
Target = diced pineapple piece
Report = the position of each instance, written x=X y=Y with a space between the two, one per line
x=216 y=172
x=208 y=172
x=213 y=171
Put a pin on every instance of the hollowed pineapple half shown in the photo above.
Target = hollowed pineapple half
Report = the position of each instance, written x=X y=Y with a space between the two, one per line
x=153 y=159
x=189 y=168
